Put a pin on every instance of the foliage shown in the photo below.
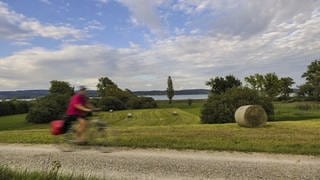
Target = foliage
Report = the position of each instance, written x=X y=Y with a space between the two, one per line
x=111 y=103
x=271 y=85
x=219 y=84
x=48 y=108
x=220 y=108
x=147 y=102
x=115 y=98
x=106 y=87
x=170 y=90
x=14 y=107
x=285 y=87
x=61 y=87
x=312 y=76
x=306 y=90
x=256 y=82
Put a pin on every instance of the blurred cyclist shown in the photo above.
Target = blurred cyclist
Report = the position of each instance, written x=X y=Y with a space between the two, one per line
x=78 y=109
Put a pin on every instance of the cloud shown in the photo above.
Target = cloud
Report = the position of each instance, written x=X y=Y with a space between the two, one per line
x=94 y=25
x=287 y=41
x=244 y=17
x=285 y=48
x=145 y=12
x=16 y=26
x=103 y=1
x=45 y=1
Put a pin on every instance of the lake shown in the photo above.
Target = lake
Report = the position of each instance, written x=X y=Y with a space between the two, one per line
x=180 y=97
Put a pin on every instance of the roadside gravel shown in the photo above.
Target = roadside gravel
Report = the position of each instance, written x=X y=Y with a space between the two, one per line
x=125 y=163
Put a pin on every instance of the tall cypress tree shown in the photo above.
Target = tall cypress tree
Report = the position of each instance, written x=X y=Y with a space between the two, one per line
x=170 y=90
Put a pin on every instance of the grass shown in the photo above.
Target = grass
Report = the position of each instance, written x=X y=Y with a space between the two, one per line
x=295 y=111
x=296 y=137
x=15 y=122
x=283 y=111
x=194 y=108
x=150 y=117
x=7 y=173
x=159 y=128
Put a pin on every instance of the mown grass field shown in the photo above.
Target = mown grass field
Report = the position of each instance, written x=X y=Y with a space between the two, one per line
x=159 y=128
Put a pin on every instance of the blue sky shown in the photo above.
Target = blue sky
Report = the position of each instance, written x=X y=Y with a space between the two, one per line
x=139 y=43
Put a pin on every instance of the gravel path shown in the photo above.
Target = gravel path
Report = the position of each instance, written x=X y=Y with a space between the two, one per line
x=124 y=163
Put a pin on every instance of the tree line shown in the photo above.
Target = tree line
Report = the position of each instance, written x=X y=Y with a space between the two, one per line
x=273 y=86
x=228 y=93
x=53 y=106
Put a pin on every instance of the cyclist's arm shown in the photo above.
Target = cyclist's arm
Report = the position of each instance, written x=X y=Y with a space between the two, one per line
x=82 y=108
x=89 y=105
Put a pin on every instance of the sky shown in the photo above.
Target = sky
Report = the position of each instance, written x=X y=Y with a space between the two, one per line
x=139 y=43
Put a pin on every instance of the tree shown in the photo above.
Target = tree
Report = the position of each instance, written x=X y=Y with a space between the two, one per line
x=271 y=85
x=220 y=108
x=61 y=87
x=220 y=85
x=285 y=86
x=305 y=90
x=113 y=97
x=256 y=82
x=170 y=90
x=105 y=84
x=52 y=106
x=312 y=76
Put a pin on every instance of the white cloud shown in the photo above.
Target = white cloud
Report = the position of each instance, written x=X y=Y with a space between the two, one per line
x=103 y=1
x=45 y=1
x=286 y=45
x=145 y=12
x=94 y=25
x=243 y=17
x=16 y=26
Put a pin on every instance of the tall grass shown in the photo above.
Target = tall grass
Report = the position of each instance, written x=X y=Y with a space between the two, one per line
x=296 y=111
x=7 y=173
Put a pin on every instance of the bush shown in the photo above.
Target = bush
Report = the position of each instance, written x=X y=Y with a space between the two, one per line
x=220 y=108
x=48 y=108
x=110 y=102
x=148 y=102
x=134 y=103
x=14 y=107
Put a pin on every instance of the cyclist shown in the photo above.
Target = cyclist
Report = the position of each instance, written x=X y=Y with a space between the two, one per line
x=77 y=110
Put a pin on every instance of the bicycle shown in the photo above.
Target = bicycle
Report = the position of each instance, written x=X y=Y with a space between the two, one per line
x=96 y=134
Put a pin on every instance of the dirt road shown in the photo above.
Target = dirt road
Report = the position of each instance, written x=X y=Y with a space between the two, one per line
x=121 y=163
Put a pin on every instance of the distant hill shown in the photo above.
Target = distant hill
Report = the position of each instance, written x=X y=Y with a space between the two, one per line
x=31 y=94
x=179 y=92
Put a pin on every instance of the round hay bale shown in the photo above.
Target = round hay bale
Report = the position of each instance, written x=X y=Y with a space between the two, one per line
x=174 y=113
x=129 y=115
x=251 y=116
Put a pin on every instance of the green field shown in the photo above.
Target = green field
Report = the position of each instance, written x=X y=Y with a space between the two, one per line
x=160 y=128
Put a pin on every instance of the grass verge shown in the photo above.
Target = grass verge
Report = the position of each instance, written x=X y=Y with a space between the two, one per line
x=294 y=137
x=7 y=173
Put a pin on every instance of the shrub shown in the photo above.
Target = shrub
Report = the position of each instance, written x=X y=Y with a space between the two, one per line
x=14 y=107
x=110 y=102
x=134 y=103
x=48 y=108
x=148 y=102
x=220 y=108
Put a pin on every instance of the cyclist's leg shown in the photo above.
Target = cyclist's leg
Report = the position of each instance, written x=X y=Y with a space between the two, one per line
x=83 y=123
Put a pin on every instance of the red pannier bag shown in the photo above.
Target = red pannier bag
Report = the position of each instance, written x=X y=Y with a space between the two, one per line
x=57 y=127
